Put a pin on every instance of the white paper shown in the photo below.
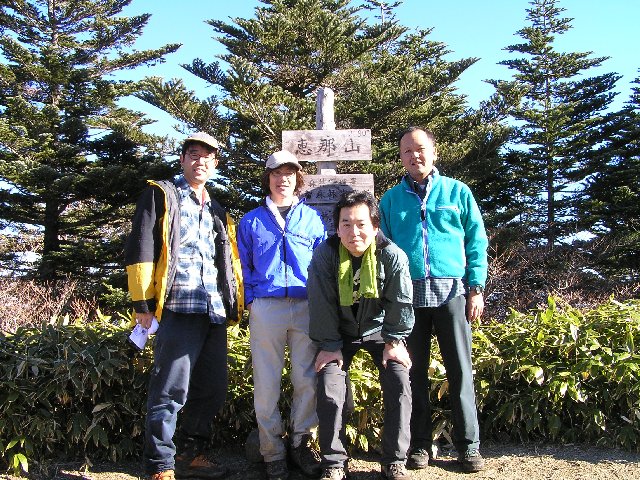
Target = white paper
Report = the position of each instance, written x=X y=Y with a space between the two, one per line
x=139 y=335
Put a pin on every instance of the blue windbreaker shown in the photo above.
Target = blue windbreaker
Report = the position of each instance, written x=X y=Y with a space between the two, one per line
x=275 y=260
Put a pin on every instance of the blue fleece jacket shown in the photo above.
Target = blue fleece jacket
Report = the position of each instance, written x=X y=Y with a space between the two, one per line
x=275 y=260
x=443 y=236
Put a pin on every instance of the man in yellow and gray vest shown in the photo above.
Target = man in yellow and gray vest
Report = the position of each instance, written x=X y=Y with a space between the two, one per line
x=179 y=263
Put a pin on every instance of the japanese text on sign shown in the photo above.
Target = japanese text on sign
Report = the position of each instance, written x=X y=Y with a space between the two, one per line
x=328 y=145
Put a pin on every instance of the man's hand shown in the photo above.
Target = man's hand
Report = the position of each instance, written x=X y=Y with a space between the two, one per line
x=325 y=357
x=475 y=306
x=144 y=319
x=397 y=353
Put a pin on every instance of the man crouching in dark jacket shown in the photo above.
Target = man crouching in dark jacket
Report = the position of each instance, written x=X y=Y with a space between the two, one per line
x=360 y=297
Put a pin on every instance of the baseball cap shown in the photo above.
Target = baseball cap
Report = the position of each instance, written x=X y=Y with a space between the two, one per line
x=282 y=157
x=205 y=138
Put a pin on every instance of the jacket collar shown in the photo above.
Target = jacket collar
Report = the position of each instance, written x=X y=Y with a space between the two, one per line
x=408 y=181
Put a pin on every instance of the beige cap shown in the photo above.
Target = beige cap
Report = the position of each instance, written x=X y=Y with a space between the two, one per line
x=282 y=157
x=205 y=138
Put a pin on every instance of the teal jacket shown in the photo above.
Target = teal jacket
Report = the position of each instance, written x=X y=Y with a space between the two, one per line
x=443 y=236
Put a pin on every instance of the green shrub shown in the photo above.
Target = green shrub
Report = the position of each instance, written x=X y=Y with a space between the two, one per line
x=70 y=391
x=557 y=374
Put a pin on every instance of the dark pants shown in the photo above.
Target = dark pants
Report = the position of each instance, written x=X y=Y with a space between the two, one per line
x=335 y=403
x=453 y=332
x=189 y=374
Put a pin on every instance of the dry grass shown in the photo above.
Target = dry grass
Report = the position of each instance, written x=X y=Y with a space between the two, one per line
x=523 y=277
x=31 y=303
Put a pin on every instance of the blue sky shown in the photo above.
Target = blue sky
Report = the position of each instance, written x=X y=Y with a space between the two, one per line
x=470 y=28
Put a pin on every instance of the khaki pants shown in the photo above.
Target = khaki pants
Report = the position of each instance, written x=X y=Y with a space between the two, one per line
x=274 y=323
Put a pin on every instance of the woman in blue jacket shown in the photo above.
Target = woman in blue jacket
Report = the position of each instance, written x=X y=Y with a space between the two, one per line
x=275 y=242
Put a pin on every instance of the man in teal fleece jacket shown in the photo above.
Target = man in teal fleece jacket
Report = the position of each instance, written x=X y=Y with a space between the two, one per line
x=436 y=221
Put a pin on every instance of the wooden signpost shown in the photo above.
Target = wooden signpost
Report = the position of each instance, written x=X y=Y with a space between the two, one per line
x=326 y=146
x=323 y=191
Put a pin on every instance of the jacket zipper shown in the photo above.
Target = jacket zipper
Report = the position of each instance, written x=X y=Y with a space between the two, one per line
x=423 y=217
x=284 y=244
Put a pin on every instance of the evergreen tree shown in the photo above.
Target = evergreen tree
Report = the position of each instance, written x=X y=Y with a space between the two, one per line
x=70 y=157
x=384 y=78
x=559 y=122
x=612 y=209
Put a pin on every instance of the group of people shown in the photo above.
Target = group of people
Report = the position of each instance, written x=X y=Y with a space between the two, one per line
x=391 y=276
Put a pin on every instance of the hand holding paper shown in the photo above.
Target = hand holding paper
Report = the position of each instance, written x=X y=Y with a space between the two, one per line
x=139 y=335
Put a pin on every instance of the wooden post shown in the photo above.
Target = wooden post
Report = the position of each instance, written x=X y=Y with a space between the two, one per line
x=326 y=146
x=325 y=120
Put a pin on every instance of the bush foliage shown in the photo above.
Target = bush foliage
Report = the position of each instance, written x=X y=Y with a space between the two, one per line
x=560 y=374
x=556 y=374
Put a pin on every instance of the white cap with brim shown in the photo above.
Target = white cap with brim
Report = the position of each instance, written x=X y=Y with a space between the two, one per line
x=282 y=157
x=205 y=138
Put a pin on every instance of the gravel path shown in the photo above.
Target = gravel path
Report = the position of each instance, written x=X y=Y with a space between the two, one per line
x=504 y=462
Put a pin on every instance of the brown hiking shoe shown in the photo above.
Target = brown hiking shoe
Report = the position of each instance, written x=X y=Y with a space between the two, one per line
x=166 y=475
x=200 y=466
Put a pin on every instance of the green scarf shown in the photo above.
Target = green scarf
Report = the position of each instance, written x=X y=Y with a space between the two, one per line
x=368 y=275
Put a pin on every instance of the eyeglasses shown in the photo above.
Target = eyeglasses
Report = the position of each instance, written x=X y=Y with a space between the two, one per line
x=282 y=174
x=195 y=155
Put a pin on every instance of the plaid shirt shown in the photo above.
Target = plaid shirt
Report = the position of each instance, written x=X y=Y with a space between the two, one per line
x=195 y=289
x=431 y=291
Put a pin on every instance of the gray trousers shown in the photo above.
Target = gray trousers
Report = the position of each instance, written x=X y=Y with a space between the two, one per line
x=335 y=403
x=453 y=332
x=275 y=323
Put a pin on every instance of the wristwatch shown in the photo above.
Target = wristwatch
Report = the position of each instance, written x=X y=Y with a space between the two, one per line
x=476 y=289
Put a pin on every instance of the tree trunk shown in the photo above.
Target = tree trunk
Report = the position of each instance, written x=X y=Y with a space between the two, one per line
x=47 y=269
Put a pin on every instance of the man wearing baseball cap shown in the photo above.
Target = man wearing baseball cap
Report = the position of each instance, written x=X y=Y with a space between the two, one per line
x=178 y=260
x=275 y=242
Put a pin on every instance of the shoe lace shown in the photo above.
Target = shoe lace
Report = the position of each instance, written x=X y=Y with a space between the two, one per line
x=332 y=473
x=420 y=451
x=397 y=469
x=472 y=453
x=168 y=475
x=310 y=454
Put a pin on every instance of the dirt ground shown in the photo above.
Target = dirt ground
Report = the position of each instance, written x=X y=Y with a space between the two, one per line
x=504 y=462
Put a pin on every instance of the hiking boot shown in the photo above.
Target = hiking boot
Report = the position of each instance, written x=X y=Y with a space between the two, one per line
x=418 y=458
x=471 y=460
x=200 y=466
x=306 y=458
x=166 y=475
x=394 y=471
x=277 y=470
x=333 y=473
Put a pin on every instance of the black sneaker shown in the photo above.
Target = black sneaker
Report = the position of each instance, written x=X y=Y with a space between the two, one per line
x=333 y=473
x=418 y=458
x=306 y=458
x=471 y=460
x=277 y=470
x=394 y=471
